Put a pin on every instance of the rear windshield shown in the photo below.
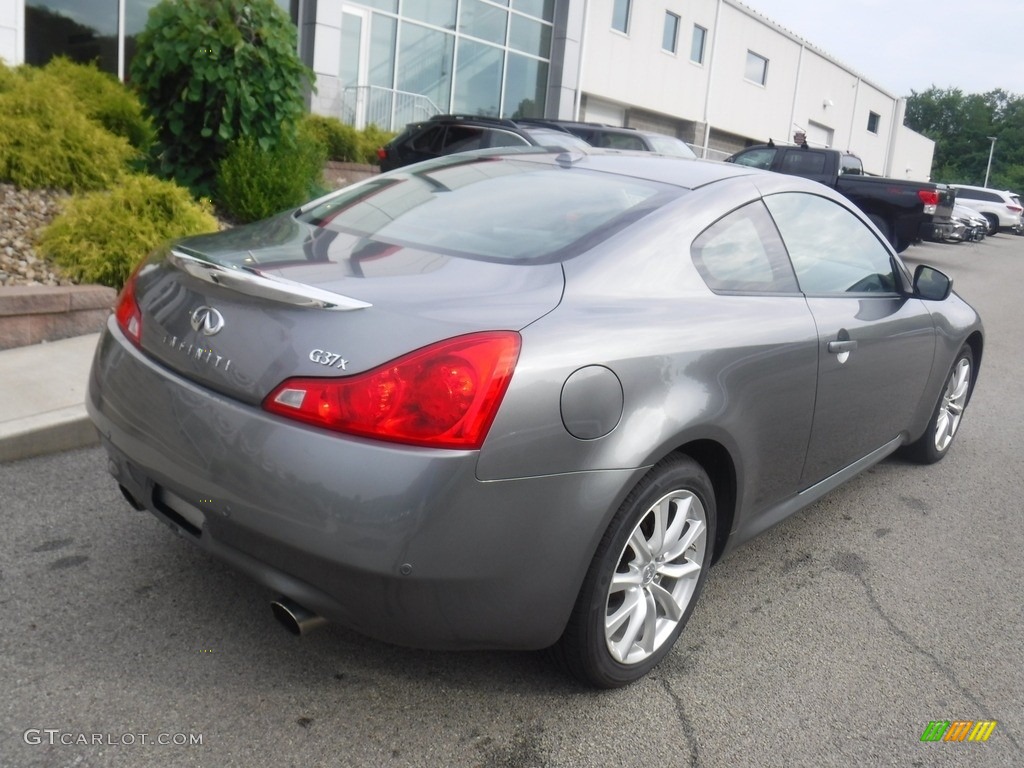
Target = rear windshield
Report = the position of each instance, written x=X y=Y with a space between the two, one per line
x=495 y=209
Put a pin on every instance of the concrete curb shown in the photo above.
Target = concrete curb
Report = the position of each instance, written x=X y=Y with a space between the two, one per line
x=43 y=405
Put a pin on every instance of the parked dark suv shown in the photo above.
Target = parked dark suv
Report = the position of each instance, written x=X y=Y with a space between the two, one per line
x=614 y=137
x=446 y=134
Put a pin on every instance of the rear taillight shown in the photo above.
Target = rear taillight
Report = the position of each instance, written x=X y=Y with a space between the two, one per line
x=1015 y=208
x=443 y=396
x=129 y=316
x=930 y=198
x=382 y=153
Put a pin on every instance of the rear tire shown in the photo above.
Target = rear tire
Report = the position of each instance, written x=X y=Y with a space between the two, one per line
x=645 y=578
x=993 y=222
x=933 y=445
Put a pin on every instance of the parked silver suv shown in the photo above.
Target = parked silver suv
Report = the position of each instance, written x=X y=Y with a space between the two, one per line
x=1001 y=208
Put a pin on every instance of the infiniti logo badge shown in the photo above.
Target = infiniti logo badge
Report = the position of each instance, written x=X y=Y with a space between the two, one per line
x=208 y=320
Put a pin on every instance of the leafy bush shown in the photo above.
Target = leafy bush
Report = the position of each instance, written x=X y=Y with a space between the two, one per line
x=341 y=141
x=370 y=140
x=101 y=236
x=48 y=141
x=106 y=100
x=254 y=183
x=213 y=71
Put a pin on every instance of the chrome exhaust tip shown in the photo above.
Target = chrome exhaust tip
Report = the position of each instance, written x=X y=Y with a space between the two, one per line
x=294 y=617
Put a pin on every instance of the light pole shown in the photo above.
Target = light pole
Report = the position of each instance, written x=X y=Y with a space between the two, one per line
x=991 y=149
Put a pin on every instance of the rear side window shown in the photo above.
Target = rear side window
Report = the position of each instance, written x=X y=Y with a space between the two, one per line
x=979 y=194
x=800 y=163
x=742 y=253
x=429 y=141
x=463 y=138
x=505 y=139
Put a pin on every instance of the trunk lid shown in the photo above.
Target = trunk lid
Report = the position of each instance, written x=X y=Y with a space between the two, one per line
x=242 y=310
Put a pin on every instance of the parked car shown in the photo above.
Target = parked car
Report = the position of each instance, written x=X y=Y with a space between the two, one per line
x=447 y=134
x=968 y=225
x=1002 y=209
x=523 y=399
x=904 y=211
x=614 y=137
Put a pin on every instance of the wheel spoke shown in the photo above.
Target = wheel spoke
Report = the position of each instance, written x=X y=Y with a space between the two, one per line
x=678 y=526
x=629 y=606
x=634 y=615
x=667 y=602
x=680 y=570
x=695 y=530
x=660 y=514
x=650 y=624
x=624 y=581
x=640 y=546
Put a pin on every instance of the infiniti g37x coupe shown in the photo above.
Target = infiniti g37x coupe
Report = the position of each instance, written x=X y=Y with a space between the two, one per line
x=523 y=399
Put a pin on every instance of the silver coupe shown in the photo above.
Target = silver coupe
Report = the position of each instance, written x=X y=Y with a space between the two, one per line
x=523 y=399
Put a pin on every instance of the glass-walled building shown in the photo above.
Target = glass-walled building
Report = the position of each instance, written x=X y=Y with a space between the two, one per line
x=101 y=31
x=389 y=62
x=376 y=61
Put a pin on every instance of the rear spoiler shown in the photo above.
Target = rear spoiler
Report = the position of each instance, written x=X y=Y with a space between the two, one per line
x=252 y=282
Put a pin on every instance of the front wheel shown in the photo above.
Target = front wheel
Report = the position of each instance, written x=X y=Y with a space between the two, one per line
x=949 y=411
x=645 y=577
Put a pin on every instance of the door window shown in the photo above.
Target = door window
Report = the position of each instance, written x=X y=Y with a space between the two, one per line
x=756 y=158
x=832 y=250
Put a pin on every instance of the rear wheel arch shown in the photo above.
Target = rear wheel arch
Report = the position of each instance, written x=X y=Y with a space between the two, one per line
x=977 y=345
x=715 y=459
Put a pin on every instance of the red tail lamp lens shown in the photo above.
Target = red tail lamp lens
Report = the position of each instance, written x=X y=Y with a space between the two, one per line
x=129 y=316
x=443 y=396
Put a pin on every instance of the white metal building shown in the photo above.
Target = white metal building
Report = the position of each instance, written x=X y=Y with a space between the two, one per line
x=713 y=72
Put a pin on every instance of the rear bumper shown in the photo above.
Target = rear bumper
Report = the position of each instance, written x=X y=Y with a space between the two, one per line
x=402 y=544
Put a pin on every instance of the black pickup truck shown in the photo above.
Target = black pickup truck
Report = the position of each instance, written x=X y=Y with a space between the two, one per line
x=904 y=211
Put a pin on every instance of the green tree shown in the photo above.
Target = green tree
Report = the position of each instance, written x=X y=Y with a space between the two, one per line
x=212 y=72
x=960 y=125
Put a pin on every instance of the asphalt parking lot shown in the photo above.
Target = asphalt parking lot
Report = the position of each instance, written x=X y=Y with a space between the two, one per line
x=832 y=640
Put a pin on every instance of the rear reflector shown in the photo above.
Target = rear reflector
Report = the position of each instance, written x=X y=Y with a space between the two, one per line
x=442 y=396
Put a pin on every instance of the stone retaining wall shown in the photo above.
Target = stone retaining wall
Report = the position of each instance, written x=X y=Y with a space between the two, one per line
x=30 y=314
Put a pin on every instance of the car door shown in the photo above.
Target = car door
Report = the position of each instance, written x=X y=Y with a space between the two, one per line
x=875 y=344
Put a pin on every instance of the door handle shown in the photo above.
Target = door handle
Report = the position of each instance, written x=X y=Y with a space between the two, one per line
x=838 y=347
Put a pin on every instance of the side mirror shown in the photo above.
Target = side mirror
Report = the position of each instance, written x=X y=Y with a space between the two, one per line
x=930 y=284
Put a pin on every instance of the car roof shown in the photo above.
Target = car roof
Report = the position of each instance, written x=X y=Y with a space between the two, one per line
x=684 y=172
x=983 y=189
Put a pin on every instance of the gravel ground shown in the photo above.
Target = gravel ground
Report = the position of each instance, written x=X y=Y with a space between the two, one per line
x=23 y=213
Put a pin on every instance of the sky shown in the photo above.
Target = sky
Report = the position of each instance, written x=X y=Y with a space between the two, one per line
x=911 y=45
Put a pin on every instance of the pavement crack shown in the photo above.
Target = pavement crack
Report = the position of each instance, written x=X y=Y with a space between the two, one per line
x=684 y=720
x=854 y=565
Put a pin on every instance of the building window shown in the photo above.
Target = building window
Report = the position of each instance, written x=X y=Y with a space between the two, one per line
x=700 y=35
x=54 y=28
x=757 y=68
x=620 y=16
x=873 y=120
x=670 y=36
